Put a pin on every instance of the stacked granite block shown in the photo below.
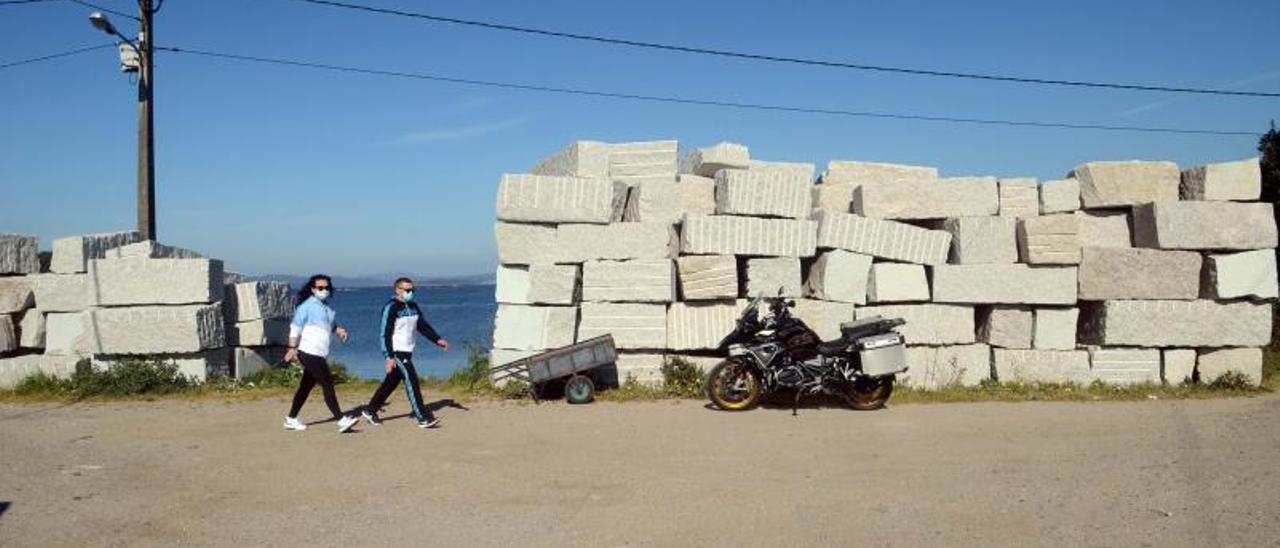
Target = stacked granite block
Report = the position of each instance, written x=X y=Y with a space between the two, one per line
x=1121 y=272
x=107 y=298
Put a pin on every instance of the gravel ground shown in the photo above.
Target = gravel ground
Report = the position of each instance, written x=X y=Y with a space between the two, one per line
x=168 y=472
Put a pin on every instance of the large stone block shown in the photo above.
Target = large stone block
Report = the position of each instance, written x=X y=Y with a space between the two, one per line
x=249 y=301
x=840 y=275
x=929 y=324
x=642 y=368
x=769 y=193
x=774 y=276
x=141 y=281
x=1177 y=366
x=1130 y=273
x=1249 y=274
x=700 y=326
x=546 y=199
x=198 y=366
x=72 y=255
x=521 y=243
x=150 y=249
x=983 y=240
x=63 y=292
x=536 y=284
x=897 y=283
x=667 y=201
x=67 y=334
x=9 y=340
x=1176 y=323
x=1056 y=328
x=708 y=277
x=156 y=329
x=520 y=327
x=1004 y=284
x=578 y=243
x=587 y=159
x=246 y=362
x=1204 y=225
x=1241 y=180
x=1211 y=364
x=1019 y=197
x=13 y=370
x=19 y=254
x=823 y=317
x=707 y=161
x=1120 y=184
x=1048 y=366
x=952 y=197
x=259 y=333
x=734 y=235
x=31 y=329
x=16 y=294
x=639 y=281
x=1006 y=326
x=879 y=238
x=1104 y=228
x=1059 y=196
x=802 y=170
x=1051 y=239
x=1124 y=365
x=640 y=162
x=834 y=197
x=634 y=326
x=860 y=173
x=938 y=367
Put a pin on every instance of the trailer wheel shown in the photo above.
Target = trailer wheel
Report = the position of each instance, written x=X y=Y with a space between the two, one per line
x=579 y=389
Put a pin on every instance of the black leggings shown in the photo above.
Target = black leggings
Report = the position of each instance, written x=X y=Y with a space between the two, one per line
x=315 y=370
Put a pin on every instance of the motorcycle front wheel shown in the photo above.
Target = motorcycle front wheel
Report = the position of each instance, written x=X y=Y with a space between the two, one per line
x=868 y=393
x=733 y=386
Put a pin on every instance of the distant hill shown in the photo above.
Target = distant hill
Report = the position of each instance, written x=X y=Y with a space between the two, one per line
x=381 y=279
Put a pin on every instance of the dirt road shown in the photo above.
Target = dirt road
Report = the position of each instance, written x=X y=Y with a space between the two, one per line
x=1155 y=473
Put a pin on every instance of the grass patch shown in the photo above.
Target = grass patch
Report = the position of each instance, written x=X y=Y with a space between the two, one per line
x=1228 y=386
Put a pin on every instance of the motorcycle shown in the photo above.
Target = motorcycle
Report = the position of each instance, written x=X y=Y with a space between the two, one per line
x=780 y=352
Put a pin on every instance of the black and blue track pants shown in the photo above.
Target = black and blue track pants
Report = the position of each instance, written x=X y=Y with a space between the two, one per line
x=403 y=371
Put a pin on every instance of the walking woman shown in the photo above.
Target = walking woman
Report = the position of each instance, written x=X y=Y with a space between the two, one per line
x=309 y=335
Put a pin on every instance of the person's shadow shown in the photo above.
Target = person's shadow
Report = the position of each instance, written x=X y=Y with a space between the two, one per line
x=4 y=507
x=433 y=407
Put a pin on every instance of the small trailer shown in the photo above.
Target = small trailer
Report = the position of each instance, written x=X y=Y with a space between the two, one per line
x=577 y=363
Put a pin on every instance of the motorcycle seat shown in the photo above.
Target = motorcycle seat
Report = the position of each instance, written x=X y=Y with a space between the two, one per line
x=833 y=347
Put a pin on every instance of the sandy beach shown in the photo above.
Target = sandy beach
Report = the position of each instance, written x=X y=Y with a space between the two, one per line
x=207 y=473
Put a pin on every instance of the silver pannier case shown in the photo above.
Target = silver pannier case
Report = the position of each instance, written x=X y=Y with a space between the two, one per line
x=883 y=354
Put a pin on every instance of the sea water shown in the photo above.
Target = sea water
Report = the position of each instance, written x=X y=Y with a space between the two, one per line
x=461 y=314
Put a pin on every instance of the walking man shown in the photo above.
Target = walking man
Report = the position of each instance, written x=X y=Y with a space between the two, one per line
x=401 y=317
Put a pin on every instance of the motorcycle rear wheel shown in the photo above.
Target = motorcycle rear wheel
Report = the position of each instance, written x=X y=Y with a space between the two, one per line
x=733 y=386
x=869 y=394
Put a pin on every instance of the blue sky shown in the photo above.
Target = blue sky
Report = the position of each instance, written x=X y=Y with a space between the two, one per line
x=278 y=169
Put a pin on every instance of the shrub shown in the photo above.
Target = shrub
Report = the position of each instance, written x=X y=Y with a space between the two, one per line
x=128 y=377
x=474 y=376
x=1232 y=380
x=680 y=377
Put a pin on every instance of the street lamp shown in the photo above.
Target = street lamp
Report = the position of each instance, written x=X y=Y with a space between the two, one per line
x=142 y=49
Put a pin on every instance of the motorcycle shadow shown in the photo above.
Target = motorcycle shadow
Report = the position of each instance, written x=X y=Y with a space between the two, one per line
x=784 y=401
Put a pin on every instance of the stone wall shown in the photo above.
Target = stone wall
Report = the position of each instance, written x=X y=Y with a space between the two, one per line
x=110 y=297
x=1121 y=272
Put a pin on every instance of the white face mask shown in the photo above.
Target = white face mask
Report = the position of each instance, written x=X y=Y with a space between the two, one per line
x=321 y=294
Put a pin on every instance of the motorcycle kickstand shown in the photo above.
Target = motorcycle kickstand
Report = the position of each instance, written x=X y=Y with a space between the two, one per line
x=795 y=405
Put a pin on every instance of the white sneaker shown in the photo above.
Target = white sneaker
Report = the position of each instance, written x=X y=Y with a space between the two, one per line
x=346 y=422
x=431 y=422
x=292 y=423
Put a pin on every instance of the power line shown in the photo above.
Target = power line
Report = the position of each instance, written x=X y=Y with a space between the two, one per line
x=55 y=55
x=789 y=60
x=108 y=10
x=699 y=102
x=12 y=2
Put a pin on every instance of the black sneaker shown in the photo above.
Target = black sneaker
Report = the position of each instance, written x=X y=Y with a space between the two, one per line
x=430 y=422
x=371 y=418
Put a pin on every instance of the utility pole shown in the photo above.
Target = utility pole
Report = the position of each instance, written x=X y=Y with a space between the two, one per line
x=146 y=127
x=137 y=56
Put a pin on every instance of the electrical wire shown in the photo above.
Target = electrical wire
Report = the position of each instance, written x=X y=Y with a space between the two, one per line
x=789 y=60
x=699 y=102
x=55 y=55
